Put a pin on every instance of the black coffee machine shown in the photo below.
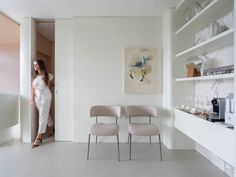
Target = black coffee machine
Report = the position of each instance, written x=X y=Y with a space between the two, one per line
x=218 y=114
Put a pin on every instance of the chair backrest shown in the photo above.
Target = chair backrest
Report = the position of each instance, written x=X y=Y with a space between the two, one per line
x=105 y=111
x=141 y=111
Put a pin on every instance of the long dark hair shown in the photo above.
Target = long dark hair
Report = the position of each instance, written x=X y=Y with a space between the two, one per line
x=42 y=67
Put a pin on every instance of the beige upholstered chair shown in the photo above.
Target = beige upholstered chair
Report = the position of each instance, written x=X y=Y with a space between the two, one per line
x=104 y=129
x=142 y=129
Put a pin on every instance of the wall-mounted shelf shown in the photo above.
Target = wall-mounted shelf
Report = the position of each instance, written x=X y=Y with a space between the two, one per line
x=212 y=77
x=219 y=41
x=217 y=139
x=181 y=4
x=215 y=8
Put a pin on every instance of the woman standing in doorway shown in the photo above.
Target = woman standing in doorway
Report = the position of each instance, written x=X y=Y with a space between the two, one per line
x=41 y=98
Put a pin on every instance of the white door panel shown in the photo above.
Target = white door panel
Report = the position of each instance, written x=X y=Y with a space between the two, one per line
x=63 y=80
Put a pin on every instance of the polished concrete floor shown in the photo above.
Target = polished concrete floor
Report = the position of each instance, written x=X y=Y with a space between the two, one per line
x=66 y=159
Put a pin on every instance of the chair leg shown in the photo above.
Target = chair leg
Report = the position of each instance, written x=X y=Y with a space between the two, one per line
x=160 y=146
x=150 y=139
x=118 y=147
x=88 y=147
x=96 y=139
x=130 y=140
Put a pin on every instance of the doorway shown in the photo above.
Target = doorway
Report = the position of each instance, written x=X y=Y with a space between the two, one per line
x=45 y=31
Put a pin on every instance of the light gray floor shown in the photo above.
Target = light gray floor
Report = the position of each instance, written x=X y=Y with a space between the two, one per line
x=66 y=159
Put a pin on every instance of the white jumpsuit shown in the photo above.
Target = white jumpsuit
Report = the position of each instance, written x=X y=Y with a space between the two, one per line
x=43 y=99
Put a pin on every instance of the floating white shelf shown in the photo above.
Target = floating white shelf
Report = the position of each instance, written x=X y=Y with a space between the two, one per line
x=215 y=8
x=212 y=77
x=217 y=139
x=219 y=41
x=180 y=5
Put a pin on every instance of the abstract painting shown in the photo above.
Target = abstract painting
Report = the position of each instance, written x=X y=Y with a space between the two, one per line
x=140 y=70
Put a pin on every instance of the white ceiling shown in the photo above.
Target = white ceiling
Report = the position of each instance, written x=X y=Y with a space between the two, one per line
x=51 y=9
x=54 y=9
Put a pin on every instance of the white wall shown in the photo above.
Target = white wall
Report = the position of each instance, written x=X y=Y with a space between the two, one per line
x=9 y=74
x=9 y=83
x=172 y=138
x=99 y=66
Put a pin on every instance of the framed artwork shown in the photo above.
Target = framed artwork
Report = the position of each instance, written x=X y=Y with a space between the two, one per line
x=140 y=70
